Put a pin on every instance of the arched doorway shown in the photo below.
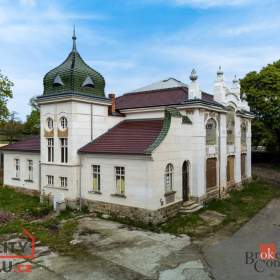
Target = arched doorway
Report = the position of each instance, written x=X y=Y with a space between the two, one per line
x=185 y=181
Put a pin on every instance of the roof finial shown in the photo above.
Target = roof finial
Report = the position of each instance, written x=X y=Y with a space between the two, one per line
x=220 y=71
x=193 y=76
x=235 y=80
x=74 y=39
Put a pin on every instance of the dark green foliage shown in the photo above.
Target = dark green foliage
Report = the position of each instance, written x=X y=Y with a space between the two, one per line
x=5 y=94
x=262 y=91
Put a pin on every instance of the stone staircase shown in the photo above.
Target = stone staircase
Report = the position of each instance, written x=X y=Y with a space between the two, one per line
x=190 y=206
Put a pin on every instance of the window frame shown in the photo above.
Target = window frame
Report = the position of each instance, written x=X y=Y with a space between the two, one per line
x=17 y=168
x=63 y=182
x=169 y=178
x=96 y=175
x=50 y=180
x=50 y=145
x=211 y=135
x=243 y=134
x=230 y=118
x=30 y=169
x=49 y=121
x=63 y=123
x=63 y=150
x=120 y=177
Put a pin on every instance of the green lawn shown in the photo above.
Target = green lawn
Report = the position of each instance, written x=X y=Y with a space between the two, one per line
x=239 y=207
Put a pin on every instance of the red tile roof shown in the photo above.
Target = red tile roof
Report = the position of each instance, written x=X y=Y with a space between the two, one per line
x=162 y=97
x=127 y=137
x=28 y=145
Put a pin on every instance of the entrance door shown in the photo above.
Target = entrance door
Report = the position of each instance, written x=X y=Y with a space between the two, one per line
x=185 y=180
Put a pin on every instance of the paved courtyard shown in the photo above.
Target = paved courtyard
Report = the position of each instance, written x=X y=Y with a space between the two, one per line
x=119 y=252
x=227 y=259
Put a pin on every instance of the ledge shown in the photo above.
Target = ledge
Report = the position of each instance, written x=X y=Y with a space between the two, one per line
x=16 y=179
x=118 y=195
x=29 y=181
x=56 y=188
x=94 y=192
x=169 y=193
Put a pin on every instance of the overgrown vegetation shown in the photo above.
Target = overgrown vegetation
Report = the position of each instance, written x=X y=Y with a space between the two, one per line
x=238 y=208
x=25 y=211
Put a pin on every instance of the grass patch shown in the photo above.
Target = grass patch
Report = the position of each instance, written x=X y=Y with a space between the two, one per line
x=21 y=204
x=53 y=231
x=239 y=207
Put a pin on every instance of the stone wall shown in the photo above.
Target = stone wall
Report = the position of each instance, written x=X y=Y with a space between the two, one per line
x=134 y=213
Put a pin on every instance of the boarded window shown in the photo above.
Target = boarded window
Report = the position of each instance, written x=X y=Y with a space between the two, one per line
x=243 y=166
x=211 y=173
x=230 y=126
x=230 y=169
x=211 y=135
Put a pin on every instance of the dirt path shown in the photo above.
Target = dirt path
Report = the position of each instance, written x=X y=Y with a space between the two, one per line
x=267 y=173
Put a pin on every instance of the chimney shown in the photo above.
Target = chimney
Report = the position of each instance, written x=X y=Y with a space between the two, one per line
x=112 y=108
x=219 y=89
x=194 y=91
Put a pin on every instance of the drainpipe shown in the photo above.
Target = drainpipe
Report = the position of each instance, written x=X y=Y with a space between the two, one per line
x=80 y=185
x=220 y=134
x=40 y=183
x=91 y=132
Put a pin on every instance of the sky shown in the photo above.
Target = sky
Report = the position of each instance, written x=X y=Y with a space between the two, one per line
x=134 y=43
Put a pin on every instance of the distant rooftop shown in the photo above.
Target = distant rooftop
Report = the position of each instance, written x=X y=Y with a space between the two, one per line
x=164 y=84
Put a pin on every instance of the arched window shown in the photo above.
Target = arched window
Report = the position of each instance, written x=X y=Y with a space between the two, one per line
x=63 y=122
x=169 y=173
x=230 y=126
x=50 y=123
x=211 y=134
x=243 y=134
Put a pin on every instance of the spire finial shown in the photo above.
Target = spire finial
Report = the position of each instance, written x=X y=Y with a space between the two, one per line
x=235 y=81
x=193 y=76
x=220 y=71
x=74 y=39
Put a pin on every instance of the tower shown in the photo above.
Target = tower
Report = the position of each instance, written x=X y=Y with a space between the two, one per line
x=73 y=111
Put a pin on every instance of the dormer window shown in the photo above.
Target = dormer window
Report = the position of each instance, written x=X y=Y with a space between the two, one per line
x=88 y=82
x=57 y=81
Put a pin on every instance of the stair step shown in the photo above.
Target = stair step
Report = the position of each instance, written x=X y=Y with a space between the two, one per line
x=188 y=203
x=192 y=206
x=194 y=209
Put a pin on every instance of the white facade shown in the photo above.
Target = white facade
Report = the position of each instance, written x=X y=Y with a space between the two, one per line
x=145 y=181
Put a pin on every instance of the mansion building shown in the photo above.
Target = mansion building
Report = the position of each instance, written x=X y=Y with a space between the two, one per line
x=142 y=155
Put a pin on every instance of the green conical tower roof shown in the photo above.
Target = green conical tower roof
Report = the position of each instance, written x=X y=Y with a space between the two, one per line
x=74 y=76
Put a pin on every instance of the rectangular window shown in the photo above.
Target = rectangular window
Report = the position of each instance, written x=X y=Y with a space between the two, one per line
x=17 y=168
x=50 y=179
x=120 y=179
x=96 y=178
x=64 y=150
x=63 y=182
x=29 y=170
x=50 y=150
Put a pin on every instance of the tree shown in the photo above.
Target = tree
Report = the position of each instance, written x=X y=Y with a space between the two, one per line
x=262 y=91
x=13 y=128
x=32 y=124
x=5 y=93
